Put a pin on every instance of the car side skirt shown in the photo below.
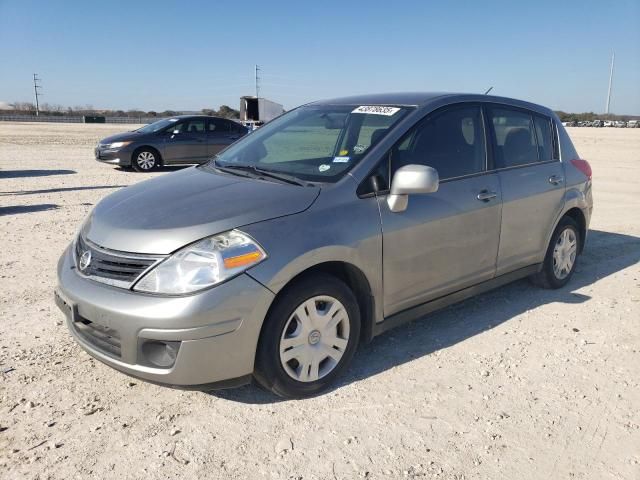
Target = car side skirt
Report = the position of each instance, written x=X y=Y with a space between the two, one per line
x=426 y=308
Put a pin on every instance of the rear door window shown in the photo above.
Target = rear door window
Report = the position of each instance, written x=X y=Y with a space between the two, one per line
x=514 y=137
x=218 y=126
x=191 y=126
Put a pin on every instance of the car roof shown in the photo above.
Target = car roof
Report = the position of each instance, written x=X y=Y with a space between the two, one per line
x=182 y=117
x=419 y=99
x=399 y=98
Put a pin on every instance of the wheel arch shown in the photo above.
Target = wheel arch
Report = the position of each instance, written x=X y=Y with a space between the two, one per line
x=354 y=278
x=578 y=216
x=576 y=206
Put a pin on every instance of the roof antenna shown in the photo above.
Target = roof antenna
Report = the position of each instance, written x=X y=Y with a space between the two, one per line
x=487 y=92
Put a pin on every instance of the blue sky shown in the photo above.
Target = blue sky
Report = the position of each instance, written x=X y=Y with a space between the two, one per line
x=193 y=54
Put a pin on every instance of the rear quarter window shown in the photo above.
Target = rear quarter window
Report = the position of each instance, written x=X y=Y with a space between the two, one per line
x=218 y=125
x=567 y=149
x=544 y=137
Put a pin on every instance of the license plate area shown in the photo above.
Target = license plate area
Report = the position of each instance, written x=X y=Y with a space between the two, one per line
x=67 y=308
x=102 y=337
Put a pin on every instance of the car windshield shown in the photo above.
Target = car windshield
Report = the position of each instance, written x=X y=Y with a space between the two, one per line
x=157 y=126
x=317 y=143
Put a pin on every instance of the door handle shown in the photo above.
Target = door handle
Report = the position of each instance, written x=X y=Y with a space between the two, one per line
x=556 y=179
x=486 y=195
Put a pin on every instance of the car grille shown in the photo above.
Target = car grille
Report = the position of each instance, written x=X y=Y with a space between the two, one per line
x=113 y=268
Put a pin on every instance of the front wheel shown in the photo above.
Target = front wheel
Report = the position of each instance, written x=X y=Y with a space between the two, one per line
x=309 y=337
x=145 y=160
x=562 y=255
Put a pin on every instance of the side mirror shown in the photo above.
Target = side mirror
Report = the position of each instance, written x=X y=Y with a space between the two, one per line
x=408 y=180
x=175 y=132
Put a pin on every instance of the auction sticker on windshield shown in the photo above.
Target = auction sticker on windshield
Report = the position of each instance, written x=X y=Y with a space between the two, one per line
x=376 y=110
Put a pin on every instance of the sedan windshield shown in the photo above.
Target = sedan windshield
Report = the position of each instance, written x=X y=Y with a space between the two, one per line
x=317 y=143
x=157 y=126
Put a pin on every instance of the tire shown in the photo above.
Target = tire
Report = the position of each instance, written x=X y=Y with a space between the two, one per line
x=299 y=355
x=145 y=159
x=561 y=258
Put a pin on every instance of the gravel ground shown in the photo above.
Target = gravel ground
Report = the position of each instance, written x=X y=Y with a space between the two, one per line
x=518 y=383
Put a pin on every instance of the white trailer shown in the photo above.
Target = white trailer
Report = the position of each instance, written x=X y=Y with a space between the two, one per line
x=255 y=111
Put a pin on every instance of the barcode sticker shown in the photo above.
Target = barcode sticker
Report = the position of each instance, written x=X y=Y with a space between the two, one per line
x=376 y=110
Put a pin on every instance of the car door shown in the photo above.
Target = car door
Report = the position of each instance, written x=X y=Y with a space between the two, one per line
x=186 y=142
x=221 y=133
x=447 y=240
x=532 y=182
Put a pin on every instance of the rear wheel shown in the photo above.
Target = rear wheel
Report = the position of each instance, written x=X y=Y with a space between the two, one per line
x=145 y=160
x=309 y=337
x=562 y=255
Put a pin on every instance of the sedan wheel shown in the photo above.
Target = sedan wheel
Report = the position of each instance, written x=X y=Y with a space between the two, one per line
x=309 y=337
x=145 y=161
x=561 y=257
x=564 y=253
x=314 y=339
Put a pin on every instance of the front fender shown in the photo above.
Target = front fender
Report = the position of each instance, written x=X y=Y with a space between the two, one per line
x=293 y=267
x=349 y=233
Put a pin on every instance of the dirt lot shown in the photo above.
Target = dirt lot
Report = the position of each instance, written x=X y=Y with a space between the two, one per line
x=518 y=383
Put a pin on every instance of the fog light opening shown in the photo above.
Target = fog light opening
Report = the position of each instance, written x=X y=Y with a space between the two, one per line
x=160 y=354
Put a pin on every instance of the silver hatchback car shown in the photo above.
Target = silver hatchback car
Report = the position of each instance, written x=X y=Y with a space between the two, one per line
x=324 y=228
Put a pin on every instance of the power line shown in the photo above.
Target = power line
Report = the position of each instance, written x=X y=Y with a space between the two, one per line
x=37 y=86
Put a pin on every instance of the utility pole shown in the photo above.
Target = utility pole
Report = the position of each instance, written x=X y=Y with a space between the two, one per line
x=613 y=58
x=36 y=86
x=257 y=82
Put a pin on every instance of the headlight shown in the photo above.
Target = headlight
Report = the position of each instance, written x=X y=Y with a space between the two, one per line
x=203 y=264
x=117 y=144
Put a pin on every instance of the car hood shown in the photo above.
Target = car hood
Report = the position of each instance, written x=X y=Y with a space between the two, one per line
x=161 y=215
x=121 y=137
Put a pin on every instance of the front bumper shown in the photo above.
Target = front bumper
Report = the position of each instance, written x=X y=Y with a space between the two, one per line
x=216 y=330
x=120 y=156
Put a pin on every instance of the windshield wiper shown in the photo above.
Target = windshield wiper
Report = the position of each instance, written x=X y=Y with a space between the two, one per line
x=260 y=172
x=233 y=171
x=281 y=176
x=228 y=169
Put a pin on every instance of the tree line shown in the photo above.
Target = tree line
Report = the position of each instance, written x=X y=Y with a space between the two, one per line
x=591 y=116
x=28 y=108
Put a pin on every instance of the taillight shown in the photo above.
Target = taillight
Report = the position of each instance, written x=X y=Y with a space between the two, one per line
x=583 y=166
